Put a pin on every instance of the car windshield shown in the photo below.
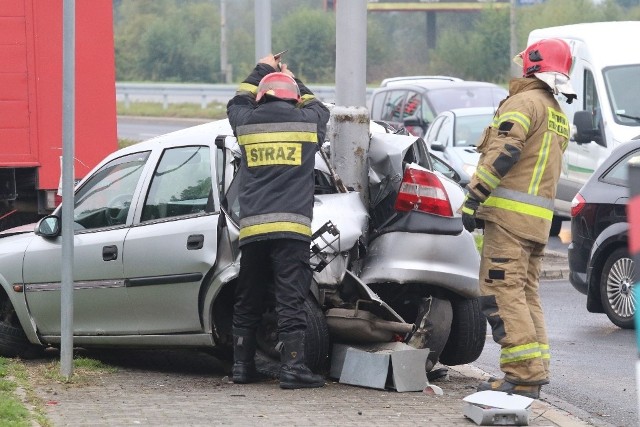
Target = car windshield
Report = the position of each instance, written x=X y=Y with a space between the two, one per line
x=450 y=98
x=625 y=97
x=469 y=129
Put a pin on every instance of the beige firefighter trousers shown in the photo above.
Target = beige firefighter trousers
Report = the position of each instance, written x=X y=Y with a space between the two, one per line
x=509 y=273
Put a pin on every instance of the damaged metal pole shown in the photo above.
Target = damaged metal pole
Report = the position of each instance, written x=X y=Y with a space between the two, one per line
x=349 y=124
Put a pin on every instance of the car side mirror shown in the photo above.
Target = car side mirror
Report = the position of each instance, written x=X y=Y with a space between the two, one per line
x=49 y=227
x=437 y=146
x=585 y=132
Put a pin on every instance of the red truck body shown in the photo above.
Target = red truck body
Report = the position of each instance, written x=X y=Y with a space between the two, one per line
x=31 y=100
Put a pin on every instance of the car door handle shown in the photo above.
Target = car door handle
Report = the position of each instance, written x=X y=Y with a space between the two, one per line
x=195 y=241
x=110 y=253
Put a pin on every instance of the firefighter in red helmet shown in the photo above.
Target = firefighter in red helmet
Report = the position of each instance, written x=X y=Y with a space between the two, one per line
x=512 y=193
x=280 y=126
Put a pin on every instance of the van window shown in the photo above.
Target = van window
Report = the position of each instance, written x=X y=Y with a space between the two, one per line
x=625 y=97
x=592 y=102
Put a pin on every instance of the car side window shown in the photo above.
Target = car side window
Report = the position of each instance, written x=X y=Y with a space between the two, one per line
x=618 y=174
x=445 y=131
x=181 y=184
x=393 y=105
x=427 y=113
x=432 y=132
x=105 y=198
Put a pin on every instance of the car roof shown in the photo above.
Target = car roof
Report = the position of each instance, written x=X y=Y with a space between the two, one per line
x=471 y=111
x=617 y=153
x=429 y=85
x=393 y=81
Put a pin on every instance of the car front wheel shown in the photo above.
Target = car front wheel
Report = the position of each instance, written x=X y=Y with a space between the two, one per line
x=13 y=341
x=616 y=289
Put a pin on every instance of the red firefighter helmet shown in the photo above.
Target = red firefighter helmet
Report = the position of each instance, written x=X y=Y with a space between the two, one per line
x=546 y=55
x=279 y=85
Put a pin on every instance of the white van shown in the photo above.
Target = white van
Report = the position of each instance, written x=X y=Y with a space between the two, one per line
x=606 y=77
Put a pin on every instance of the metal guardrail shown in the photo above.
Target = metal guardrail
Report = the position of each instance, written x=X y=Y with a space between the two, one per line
x=171 y=93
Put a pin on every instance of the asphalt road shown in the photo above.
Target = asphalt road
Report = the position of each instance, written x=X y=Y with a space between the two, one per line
x=592 y=360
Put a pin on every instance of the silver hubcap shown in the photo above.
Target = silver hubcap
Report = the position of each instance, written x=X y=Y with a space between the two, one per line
x=620 y=288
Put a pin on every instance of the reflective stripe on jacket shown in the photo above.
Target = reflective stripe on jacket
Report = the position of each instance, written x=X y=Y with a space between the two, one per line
x=278 y=140
x=521 y=159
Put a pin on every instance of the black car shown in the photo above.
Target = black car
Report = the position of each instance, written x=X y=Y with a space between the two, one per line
x=599 y=261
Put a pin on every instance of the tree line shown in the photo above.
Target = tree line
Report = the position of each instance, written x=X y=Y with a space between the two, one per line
x=179 y=40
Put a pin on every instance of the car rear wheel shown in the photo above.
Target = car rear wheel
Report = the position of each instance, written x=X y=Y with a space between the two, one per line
x=433 y=328
x=468 y=332
x=616 y=289
x=316 y=345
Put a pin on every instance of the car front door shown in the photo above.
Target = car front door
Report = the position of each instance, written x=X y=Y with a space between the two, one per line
x=101 y=220
x=173 y=245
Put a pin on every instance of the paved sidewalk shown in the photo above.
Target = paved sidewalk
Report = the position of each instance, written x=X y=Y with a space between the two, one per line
x=190 y=388
x=183 y=388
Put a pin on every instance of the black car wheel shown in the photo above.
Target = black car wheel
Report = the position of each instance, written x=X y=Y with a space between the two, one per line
x=616 y=289
x=468 y=332
x=13 y=341
x=433 y=328
x=316 y=345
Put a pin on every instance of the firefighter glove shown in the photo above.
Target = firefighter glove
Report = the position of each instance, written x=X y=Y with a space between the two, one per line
x=469 y=208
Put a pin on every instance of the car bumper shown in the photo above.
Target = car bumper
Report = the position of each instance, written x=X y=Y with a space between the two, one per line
x=577 y=268
x=448 y=261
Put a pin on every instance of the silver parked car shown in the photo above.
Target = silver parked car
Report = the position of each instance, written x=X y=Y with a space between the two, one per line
x=156 y=255
x=454 y=135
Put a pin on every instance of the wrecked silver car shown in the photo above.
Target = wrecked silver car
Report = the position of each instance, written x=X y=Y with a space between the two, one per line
x=156 y=256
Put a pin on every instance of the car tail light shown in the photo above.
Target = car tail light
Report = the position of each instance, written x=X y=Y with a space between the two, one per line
x=577 y=204
x=423 y=191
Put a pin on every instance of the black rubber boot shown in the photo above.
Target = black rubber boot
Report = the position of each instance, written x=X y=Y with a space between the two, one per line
x=293 y=371
x=244 y=351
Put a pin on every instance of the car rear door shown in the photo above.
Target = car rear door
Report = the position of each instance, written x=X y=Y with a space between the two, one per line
x=173 y=244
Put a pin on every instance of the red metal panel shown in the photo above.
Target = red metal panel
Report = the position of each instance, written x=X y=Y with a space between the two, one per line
x=95 y=132
x=12 y=30
x=14 y=87
x=13 y=148
x=11 y=8
x=15 y=142
x=96 y=118
x=14 y=115
x=13 y=59
x=31 y=86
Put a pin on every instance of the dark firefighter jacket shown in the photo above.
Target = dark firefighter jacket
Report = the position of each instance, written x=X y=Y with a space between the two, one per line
x=279 y=140
x=521 y=159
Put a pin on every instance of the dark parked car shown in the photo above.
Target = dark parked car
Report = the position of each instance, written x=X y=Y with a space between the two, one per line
x=415 y=102
x=599 y=261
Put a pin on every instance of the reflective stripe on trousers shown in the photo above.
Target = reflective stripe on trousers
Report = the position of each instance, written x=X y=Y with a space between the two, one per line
x=509 y=275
